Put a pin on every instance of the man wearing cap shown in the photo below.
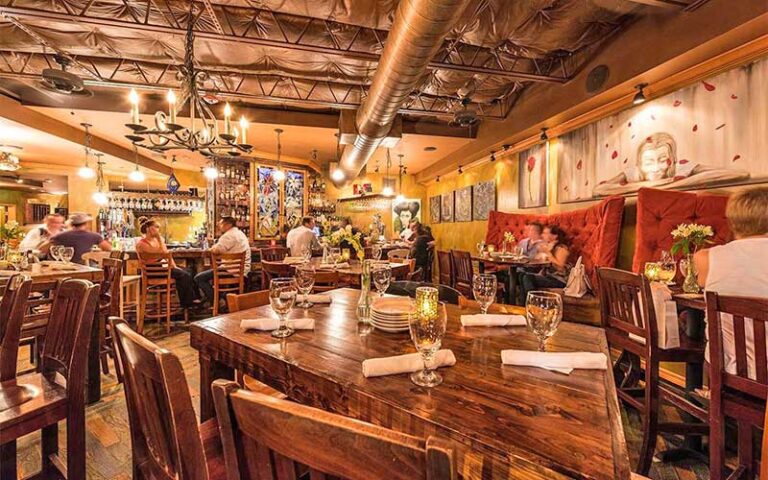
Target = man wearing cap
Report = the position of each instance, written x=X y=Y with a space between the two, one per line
x=78 y=237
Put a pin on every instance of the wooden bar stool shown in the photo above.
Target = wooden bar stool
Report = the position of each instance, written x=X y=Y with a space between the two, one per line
x=157 y=290
x=228 y=275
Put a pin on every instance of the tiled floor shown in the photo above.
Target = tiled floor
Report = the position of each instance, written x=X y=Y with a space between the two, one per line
x=108 y=446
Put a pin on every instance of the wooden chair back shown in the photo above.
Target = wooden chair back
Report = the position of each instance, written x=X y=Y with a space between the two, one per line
x=444 y=268
x=248 y=300
x=461 y=263
x=12 y=308
x=228 y=275
x=155 y=270
x=407 y=288
x=626 y=308
x=109 y=293
x=398 y=254
x=95 y=258
x=416 y=275
x=274 y=254
x=326 y=280
x=274 y=269
x=467 y=304
x=254 y=428
x=764 y=455
x=164 y=431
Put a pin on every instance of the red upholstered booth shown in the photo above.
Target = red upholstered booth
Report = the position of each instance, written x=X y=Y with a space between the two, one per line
x=660 y=211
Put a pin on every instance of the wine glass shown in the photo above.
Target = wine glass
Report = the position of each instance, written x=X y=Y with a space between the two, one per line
x=305 y=280
x=480 y=248
x=667 y=268
x=66 y=254
x=382 y=276
x=484 y=286
x=306 y=253
x=335 y=255
x=427 y=331
x=282 y=296
x=55 y=252
x=543 y=312
x=376 y=251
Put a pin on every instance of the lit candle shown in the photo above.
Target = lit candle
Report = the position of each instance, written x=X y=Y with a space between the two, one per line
x=491 y=248
x=134 y=98
x=345 y=254
x=652 y=271
x=426 y=303
x=227 y=122
x=171 y=106
x=244 y=129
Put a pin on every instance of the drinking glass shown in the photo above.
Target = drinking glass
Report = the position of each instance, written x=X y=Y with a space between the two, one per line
x=667 y=268
x=543 y=312
x=427 y=331
x=66 y=254
x=376 y=251
x=335 y=255
x=282 y=295
x=517 y=252
x=306 y=253
x=55 y=252
x=480 y=248
x=382 y=275
x=305 y=280
x=484 y=287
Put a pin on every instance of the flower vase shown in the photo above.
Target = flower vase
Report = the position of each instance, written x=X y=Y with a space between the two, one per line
x=324 y=261
x=364 y=303
x=690 y=283
x=503 y=247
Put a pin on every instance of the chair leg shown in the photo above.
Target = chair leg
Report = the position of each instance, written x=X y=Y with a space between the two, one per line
x=76 y=443
x=103 y=344
x=650 y=419
x=745 y=456
x=8 y=460
x=141 y=308
x=50 y=447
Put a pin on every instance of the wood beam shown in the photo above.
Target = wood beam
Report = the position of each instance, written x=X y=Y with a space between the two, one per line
x=16 y=112
x=653 y=50
x=669 y=4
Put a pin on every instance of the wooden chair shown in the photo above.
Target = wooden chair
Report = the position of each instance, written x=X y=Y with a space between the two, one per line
x=166 y=439
x=764 y=456
x=274 y=269
x=255 y=428
x=627 y=309
x=157 y=290
x=12 y=308
x=274 y=254
x=430 y=263
x=740 y=395
x=325 y=280
x=444 y=268
x=58 y=392
x=228 y=275
x=467 y=304
x=95 y=258
x=415 y=276
x=109 y=306
x=36 y=318
x=398 y=255
x=461 y=264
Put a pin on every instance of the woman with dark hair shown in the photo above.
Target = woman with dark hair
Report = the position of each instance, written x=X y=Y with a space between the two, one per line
x=420 y=246
x=406 y=212
x=152 y=242
x=551 y=235
x=553 y=276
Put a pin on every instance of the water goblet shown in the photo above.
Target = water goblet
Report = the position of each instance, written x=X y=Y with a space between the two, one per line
x=382 y=276
x=427 y=328
x=335 y=255
x=543 y=312
x=55 y=252
x=480 y=248
x=667 y=268
x=484 y=287
x=376 y=251
x=66 y=254
x=305 y=280
x=282 y=296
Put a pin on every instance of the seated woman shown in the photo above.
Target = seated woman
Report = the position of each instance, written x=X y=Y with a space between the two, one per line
x=420 y=246
x=739 y=267
x=152 y=242
x=551 y=235
x=553 y=276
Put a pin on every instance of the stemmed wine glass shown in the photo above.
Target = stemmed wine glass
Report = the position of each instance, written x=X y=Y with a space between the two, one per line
x=305 y=280
x=66 y=254
x=484 y=286
x=427 y=331
x=480 y=248
x=335 y=255
x=282 y=296
x=543 y=312
x=376 y=251
x=55 y=252
x=667 y=268
x=382 y=276
x=306 y=253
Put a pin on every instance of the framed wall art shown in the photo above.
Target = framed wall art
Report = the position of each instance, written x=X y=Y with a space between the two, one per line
x=463 y=205
x=483 y=200
x=446 y=207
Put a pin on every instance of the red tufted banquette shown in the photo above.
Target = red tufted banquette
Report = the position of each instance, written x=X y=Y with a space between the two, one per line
x=592 y=232
x=660 y=211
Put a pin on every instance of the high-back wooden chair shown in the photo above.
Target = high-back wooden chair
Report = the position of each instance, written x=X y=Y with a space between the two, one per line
x=244 y=301
x=738 y=386
x=57 y=392
x=228 y=275
x=274 y=269
x=461 y=263
x=444 y=268
x=12 y=308
x=325 y=280
x=166 y=439
x=274 y=254
x=398 y=255
x=629 y=316
x=109 y=306
x=38 y=312
x=158 y=290
x=254 y=429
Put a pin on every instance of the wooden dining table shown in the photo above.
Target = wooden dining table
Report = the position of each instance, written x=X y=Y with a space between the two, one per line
x=503 y=421
x=510 y=264
x=350 y=274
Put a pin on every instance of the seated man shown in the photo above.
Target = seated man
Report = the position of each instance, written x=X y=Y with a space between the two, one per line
x=52 y=226
x=232 y=240
x=530 y=244
x=302 y=237
x=79 y=237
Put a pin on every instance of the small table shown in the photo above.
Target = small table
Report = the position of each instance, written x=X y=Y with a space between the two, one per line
x=512 y=266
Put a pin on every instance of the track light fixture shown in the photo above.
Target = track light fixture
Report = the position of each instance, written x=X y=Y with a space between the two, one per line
x=506 y=146
x=544 y=137
x=493 y=156
x=639 y=96
x=437 y=179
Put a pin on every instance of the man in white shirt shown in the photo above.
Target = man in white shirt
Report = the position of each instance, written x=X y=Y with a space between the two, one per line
x=232 y=240
x=302 y=237
x=53 y=224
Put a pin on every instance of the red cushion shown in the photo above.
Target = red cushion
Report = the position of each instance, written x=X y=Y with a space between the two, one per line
x=660 y=211
x=592 y=232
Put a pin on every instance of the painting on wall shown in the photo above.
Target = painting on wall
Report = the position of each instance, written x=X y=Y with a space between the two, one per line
x=269 y=203
x=532 y=185
x=446 y=207
x=404 y=211
x=463 y=205
x=293 y=198
x=484 y=200
x=709 y=134
x=434 y=209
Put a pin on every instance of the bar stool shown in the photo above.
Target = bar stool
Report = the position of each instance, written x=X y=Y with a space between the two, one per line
x=228 y=275
x=157 y=290
x=130 y=298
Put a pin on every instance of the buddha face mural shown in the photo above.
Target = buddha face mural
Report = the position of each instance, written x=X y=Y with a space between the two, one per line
x=656 y=157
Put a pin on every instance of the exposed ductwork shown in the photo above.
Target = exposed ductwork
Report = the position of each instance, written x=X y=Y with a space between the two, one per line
x=418 y=31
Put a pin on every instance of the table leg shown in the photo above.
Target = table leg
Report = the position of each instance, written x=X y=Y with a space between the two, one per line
x=93 y=385
x=512 y=286
x=210 y=370
x=481 y=267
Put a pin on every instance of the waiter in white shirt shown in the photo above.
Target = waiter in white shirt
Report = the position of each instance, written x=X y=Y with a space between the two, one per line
x=53 y=224
x=302 y=237
x=232 y=240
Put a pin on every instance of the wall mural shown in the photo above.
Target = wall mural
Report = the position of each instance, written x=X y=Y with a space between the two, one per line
x=532 y=184
x=707 y=134
x=405 y=211
x=446 y=207
x=434 y=209
x=484 y=200
x=293 y=198
x=269 y=203
x=463 y=205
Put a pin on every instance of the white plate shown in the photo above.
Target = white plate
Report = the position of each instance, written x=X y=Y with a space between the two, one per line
x=391 y=330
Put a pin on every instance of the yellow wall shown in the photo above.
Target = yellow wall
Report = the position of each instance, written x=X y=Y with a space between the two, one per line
x=21 y=198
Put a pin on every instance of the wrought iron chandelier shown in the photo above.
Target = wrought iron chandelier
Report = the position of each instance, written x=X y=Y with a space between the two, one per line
x=167 y=134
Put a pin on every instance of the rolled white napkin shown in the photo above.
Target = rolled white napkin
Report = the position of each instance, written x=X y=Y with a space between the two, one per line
x=492 y=320
x=266 y=323
x=329 y=266
x=562 y=362
x=411 y=362
x=317 y=298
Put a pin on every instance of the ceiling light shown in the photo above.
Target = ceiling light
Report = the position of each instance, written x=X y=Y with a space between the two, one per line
x=399 y=198
x=544 y=137
x=278 y=175
x=639 y=96
x=136 y=175
x=337 y=175
x=210 y=172
x=387 y=191
x=99 y=197
x=86 y=171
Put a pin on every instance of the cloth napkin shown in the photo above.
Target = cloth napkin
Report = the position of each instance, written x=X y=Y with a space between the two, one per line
x=492 y=320
x=561 y=362
x=266 y=323
x=412 y=362
x=330 y=266
x=667 y=323
x=317 y=298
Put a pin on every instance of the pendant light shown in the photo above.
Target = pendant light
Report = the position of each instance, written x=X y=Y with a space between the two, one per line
x=86 y=171
x=99 y=197
x=640 y=95
x=210 y=171
x=136 y=175
x=173 y=183
x=400 y=197
x=388 y=191
x=279 y=174
x=337 y=174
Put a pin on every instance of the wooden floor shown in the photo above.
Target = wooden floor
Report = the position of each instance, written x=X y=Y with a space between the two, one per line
x=108 y=445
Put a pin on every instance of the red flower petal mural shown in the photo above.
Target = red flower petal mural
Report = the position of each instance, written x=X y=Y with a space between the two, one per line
x=736 y=157
x=709 y=86
x=579 y=165
x=614 y=155
x=677 y=103
x=720 y=126
x=695 y=127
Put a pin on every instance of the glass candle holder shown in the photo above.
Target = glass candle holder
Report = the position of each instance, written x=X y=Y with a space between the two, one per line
x=427 y=302
x=652 y=271
x=345 y=254
x=491 y=248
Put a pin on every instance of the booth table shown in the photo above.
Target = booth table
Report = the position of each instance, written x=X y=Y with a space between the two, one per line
x=511 y=266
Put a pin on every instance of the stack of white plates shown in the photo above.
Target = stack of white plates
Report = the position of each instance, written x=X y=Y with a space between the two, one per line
x=391 y=314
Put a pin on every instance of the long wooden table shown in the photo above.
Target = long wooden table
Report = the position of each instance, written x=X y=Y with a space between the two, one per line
x=505 y=421
x=350 y=275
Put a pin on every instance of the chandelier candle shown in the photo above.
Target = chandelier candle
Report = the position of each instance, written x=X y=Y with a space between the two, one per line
x=172 y=106
x=134 y=98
